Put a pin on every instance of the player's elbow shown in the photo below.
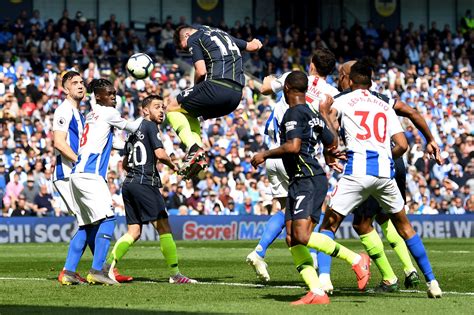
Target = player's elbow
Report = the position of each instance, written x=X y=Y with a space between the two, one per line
x=293 y=149
x=265 y=90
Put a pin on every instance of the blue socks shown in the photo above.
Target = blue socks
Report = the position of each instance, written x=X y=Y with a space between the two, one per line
x=273 y=228
x=102 y=242
x=91 y=234
x=417 y=250
x=324 y=261
x=76 y=249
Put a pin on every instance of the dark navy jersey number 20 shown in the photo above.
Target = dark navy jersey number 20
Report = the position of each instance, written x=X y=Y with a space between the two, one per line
x=301 y=122
x=140 y=150
x=221 y=53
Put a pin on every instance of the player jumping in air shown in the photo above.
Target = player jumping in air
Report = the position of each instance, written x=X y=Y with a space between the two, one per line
x=370 y=124
x=301 y=130
x=219 y=79
x=322 y=64
x=141 y=190
x=88 y=184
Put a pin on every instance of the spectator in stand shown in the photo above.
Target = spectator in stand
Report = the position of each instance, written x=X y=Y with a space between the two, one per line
x=12 y=191
x=431 y=70
x=21 y=208
x=43 y=203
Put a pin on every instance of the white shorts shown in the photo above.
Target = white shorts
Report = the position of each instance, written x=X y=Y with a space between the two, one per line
x=278 y=178
x=351 y=191
x=64 y=190
x=92 y=197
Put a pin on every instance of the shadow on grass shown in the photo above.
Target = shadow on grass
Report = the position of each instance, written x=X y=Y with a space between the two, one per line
x=35 y=309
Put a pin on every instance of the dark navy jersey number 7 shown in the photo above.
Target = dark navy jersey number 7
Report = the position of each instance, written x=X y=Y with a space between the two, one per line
x=221 y=53
x=302 y=123
x=140 y=150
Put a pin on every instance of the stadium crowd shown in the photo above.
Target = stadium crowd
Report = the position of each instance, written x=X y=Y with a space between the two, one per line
x=430 y=70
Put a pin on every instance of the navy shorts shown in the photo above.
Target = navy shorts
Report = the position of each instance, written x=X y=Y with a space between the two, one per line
x=211 y=99
x=306 y=197
x=370 y=207
x=143 y=203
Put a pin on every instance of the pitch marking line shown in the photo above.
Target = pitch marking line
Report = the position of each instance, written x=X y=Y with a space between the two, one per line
x=249 y=285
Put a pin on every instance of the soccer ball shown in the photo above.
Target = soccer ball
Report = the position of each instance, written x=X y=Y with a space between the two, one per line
x=140 y=66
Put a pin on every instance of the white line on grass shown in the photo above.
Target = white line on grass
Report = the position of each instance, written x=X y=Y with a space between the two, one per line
x=23 y=279
x=249 y=285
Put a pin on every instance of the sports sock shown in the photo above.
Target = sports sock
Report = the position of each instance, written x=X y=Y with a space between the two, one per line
x=324 y=260
x=76 y=249
x=273 y=228
x=304 y=265
x=195 y=129
x=398 y=245
x=324 y=243
x=181 y=125
x=374 y=247
x=168 y=248
x=102 y=242
x=317 y=255
x=415 y=245
x=121 y=248
x=91 y=231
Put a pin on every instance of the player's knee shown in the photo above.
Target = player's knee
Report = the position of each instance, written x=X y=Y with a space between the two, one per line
x=135 y=234
x=362 y=227
x=300 y=237
x=288 y=240
x=406 y=231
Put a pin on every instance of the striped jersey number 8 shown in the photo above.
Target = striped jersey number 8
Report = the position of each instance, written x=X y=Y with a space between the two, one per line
x=230 y=44
x=132 y=149
x=84 y=136
x=380 y=137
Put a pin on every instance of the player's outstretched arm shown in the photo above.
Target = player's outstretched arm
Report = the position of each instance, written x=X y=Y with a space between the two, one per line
x=254 y=45
x=432 y=147
x=164 y=158
x=291 y=146
x=114 y=119
x=266 y=87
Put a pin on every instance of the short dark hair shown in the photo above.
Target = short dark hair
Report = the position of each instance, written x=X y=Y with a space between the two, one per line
x=361 y=73
x=68 y=76
x=147 y=100
x=98 y=84
x=297 y=80
x=176 y=36
x=324 y=60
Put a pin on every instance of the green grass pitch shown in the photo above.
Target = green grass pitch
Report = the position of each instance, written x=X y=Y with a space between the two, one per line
x=28 y=284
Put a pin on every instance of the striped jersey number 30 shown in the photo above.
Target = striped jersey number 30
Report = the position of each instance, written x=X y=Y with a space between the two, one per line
x=376 y=123
x=230 y=44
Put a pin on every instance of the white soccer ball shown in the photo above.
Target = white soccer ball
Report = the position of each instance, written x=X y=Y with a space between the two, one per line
x=140 y=66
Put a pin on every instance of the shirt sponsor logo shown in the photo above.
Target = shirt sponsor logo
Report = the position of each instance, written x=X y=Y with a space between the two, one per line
x=290 y=125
